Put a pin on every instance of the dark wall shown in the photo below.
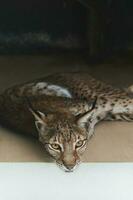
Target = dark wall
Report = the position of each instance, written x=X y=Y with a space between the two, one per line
x=34 y=25
x=120 y=24
x=39 y=24
x=49 y=15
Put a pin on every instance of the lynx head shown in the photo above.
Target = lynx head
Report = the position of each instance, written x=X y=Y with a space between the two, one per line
x=64 y=137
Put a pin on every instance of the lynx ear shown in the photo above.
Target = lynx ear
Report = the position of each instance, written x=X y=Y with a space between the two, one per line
x=40 y=120
x=87 y=117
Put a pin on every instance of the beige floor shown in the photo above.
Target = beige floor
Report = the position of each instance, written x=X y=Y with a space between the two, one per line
x=113 y=141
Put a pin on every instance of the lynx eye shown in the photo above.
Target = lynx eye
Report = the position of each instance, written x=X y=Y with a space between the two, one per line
x=55 y=146
x=80 y=143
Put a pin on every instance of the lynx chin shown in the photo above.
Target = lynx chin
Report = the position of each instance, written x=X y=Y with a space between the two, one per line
x=61 y=110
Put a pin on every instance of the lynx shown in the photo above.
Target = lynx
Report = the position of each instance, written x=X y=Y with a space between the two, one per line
x=61 y=110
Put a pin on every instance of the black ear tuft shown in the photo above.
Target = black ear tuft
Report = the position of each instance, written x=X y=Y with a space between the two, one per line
x=87 y=116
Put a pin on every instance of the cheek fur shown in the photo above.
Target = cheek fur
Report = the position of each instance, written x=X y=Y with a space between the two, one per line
x=81 y=150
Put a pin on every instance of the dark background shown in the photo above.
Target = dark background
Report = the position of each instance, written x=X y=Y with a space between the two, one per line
x=102 y=27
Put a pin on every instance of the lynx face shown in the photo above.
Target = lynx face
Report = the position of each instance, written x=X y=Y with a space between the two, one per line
x=67 y=145
x=65 y=138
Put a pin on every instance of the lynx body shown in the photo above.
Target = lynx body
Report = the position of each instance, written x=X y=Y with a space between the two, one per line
x=64 y=108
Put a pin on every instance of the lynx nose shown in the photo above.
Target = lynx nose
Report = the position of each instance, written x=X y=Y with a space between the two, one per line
x=70 y=167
